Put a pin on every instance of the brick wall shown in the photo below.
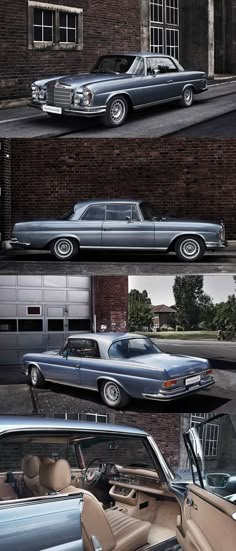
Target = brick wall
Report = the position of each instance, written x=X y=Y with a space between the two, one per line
x=111 y=302
x=108 y=26
x=182 y=177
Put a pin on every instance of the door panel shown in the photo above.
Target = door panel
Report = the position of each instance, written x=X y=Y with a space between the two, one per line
x=128 y=234
x=64 y=370
x=207 y=523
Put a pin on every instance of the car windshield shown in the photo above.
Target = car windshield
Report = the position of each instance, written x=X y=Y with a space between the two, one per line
x=119 y=64
x=127 y=451
x=129 y=348
x=148 y=211
x=68 y=215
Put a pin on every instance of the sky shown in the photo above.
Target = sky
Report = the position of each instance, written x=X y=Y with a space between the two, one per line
x=159 y=288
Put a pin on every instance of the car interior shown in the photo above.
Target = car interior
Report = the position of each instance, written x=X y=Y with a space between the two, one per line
x=127 y=506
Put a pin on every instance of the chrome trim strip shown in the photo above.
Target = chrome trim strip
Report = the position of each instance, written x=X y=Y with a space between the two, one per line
x=71 y=384
x=136 y=107
x=126 y=248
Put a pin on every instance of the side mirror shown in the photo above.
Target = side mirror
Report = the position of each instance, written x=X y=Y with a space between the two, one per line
x=128 y=219
x=217 y=480
x=156 y=72
x=65 y=353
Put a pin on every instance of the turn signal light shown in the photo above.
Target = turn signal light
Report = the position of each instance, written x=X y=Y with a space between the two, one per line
x=169 y=384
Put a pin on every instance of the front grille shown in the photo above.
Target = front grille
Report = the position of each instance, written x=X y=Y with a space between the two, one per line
x=59 y=96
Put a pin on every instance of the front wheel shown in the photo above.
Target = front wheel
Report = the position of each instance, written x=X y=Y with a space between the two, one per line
x=189 y=249
x=64 y=248
x=36 y=377
x=117 y=111
x=113 y=395
x=187 y=97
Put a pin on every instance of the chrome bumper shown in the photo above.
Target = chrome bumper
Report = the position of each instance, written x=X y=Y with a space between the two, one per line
x=219 y=245
x=165 y=395
x=15 y=244
x=80 y=112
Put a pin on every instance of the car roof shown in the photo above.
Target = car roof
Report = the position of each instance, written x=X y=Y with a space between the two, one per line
x=99 y=201
x=107 y=338
x=142 y=54
x=13 y=423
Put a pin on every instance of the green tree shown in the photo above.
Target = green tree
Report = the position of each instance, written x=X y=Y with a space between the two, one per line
x=192 y=304
x=140 y=314
x=225 y=315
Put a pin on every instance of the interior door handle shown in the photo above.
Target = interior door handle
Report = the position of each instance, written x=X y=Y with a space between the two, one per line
x=234 y=516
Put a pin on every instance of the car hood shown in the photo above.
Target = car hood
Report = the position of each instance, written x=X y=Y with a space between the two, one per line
x=174 y=366
x=82 y=79
x=189 y=221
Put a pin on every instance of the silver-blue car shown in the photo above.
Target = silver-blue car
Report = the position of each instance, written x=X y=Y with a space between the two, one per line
x=74 y=486
x=117 y=84
x=119 y=366
x=128 y=225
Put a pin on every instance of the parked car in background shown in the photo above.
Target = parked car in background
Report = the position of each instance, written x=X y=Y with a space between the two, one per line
x=120 y=366
x=117 y=84
x=69 y=485
x=128 y=225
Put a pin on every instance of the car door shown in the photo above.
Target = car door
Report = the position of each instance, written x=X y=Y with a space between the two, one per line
x=162 y=80
x=124 y=228
x=89 y=226
x=52 y=523
x=64 y=367
x=209 y=514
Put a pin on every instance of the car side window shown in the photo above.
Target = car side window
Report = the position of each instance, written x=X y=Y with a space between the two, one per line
x=161 y=65
x=93 y=213
x=118 y=212
x=84 y=348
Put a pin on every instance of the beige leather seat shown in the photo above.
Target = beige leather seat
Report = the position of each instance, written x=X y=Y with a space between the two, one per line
x=113 y=529
x=30 y=468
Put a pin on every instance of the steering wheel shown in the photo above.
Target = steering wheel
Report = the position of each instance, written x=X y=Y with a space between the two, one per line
x=93 y=475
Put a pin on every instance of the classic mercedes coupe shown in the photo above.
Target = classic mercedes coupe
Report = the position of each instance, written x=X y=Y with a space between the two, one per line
x=120 y=366
x=117 y=84
x=128 y=225
x=75 y=486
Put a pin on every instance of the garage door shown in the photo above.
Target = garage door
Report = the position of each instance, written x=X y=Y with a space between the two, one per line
x=38 y=312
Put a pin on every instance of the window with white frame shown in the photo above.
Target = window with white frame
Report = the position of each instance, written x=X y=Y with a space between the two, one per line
x=54 y=26
x=96 y=417
x=208 y=434
x=164 y=27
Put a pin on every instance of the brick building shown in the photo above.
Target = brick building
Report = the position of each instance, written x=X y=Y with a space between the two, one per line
x=64 y=36
x=162 y=316
x=181 y=177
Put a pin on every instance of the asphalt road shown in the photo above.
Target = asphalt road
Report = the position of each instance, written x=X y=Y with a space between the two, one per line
x=17 y=396
x=223 y=126
x=164 y=120
x=102 y=263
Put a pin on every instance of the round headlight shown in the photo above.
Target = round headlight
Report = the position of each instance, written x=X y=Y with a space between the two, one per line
x=35 y=91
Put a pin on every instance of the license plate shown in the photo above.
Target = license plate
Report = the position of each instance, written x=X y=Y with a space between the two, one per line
x=52 y=109
x=193 y=380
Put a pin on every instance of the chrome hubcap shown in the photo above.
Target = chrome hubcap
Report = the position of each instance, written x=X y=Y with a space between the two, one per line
x=190 y=248
x=117 y=110
x=34 y=375
x=188 y=95
x=112 y=392
x=63 y=248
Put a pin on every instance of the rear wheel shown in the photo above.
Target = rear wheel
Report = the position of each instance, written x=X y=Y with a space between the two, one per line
x=113 y=395
x=36 y=377
x=190 y=249
x=187 y=97
x=64 y=248
x=117 y=111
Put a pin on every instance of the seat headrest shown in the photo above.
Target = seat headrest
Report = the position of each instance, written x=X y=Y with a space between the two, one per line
x=31 y=467
x=24 y=460
x=55 y=476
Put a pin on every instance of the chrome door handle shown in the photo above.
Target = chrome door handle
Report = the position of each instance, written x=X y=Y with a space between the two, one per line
x=169 y=81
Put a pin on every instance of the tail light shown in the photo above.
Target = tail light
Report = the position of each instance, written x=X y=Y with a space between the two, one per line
x=169 y=384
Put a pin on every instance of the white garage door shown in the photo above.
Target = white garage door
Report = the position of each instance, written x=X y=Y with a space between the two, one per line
x=38 y=312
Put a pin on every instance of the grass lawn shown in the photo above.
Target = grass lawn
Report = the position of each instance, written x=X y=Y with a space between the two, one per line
x=184 y=335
